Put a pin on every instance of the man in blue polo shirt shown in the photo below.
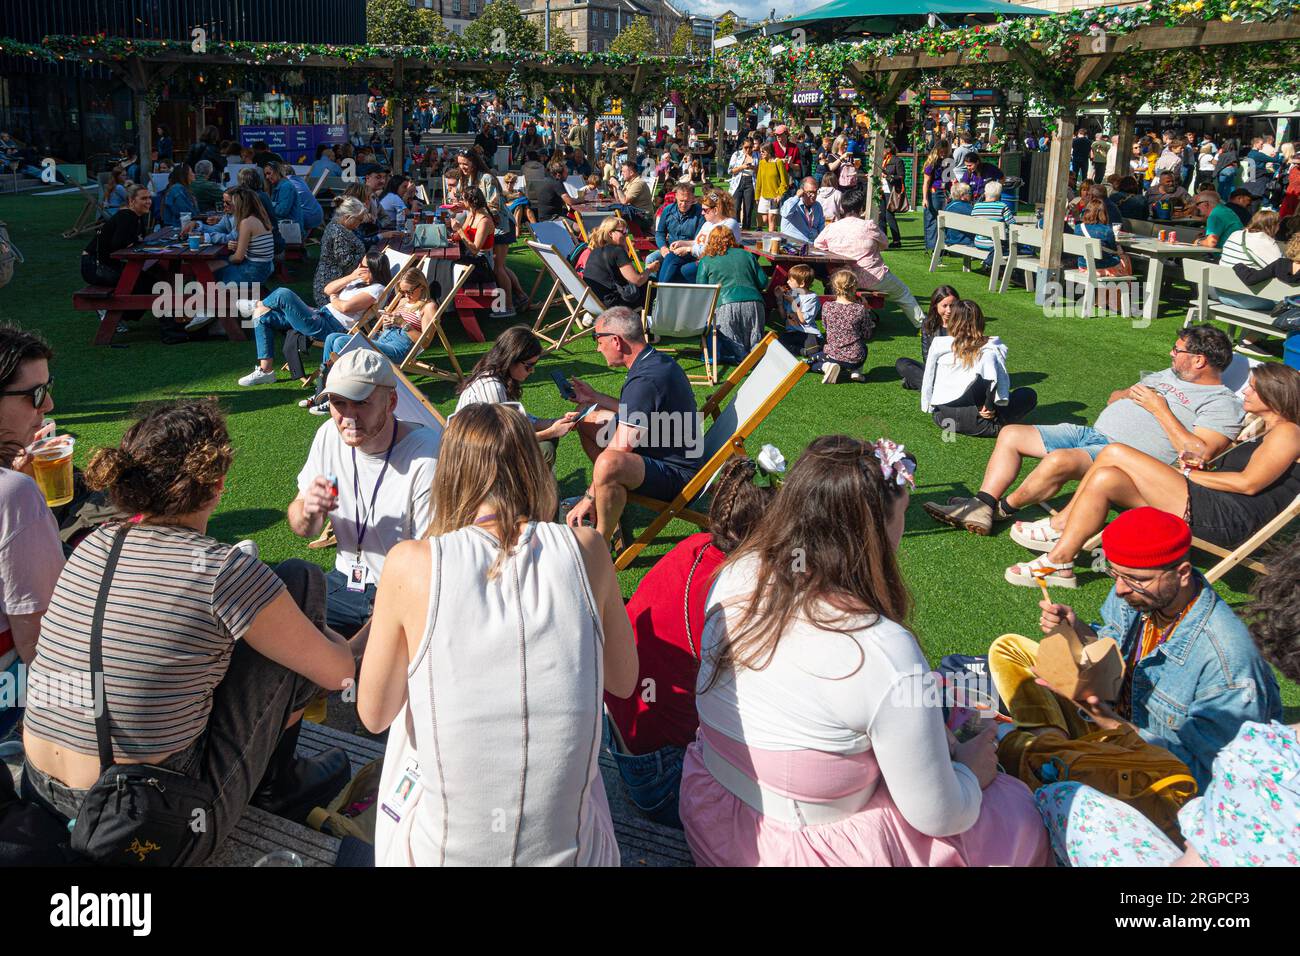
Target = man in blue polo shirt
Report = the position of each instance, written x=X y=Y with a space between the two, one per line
x=648 y=440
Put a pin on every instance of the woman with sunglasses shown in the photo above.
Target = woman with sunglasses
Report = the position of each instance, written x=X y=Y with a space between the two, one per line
x=31 y=556
x=499 y=377
x=1250 y=485
x=609 y=271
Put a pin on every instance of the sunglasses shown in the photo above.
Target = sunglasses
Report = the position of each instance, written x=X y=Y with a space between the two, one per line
x=37 y=393
x=597 y=336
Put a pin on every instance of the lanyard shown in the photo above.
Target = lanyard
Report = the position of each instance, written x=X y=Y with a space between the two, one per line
x=356 y=491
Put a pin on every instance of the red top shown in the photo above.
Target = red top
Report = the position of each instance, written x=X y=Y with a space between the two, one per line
x=471 y=234
x=662 y=713
x=789 y=154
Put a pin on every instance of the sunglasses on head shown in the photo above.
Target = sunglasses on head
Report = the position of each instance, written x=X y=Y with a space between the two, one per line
x=37 y=393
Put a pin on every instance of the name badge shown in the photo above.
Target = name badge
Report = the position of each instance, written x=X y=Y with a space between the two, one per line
x=357 y=577
x=404 y=792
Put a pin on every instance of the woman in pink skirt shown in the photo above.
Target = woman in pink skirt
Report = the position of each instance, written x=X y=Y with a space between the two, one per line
x=820 y=740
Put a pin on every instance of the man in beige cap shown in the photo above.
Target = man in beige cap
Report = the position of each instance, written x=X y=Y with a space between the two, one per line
x=371 y=475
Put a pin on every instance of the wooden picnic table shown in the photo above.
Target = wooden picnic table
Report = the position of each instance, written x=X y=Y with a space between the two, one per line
x=781 y=261
x=163 y=247
x=1157 y=253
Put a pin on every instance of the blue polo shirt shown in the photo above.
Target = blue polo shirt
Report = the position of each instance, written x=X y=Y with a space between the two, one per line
x=657 y=399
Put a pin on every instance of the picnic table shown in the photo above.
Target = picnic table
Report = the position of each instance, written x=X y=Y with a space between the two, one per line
x=757 y=243
x=470 y=301
x=1157 y=253
x=164 y=248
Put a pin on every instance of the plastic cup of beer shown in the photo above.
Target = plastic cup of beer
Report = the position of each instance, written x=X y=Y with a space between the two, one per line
x=52 y=468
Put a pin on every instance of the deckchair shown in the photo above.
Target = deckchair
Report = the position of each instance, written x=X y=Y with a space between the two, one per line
x=551 y=233
x=1241 y=554
x=684 y=310
x=431 y=328
x=760 y=382
x=88 y=217
x=581 y=302
x=588 y=221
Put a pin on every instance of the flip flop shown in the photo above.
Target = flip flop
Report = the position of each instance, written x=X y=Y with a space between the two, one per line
x=1028 y=575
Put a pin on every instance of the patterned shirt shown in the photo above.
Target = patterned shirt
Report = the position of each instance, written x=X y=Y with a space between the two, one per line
x=848 y=326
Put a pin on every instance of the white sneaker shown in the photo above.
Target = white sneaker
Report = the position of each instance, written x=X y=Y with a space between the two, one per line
x=245 y=307
x=198 y=322
x=257 y=377
x=830 y=373
x=306 y=402
x=249 y=547
x=322 y=409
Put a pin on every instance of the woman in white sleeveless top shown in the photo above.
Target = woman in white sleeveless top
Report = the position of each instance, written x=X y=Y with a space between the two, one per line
x=491 y=645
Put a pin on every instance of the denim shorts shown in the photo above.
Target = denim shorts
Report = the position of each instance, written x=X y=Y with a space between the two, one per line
x=1083 y=437
x=663 y=481
x=652 y=781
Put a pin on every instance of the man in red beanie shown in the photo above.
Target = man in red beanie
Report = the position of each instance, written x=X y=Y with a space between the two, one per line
x=1192 y=674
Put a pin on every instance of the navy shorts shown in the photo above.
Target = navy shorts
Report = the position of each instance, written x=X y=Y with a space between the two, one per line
x=663 y=481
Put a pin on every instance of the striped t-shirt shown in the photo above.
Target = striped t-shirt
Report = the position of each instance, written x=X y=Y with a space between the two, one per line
x=1255 y=249
x=996 y=210
x=177 y=603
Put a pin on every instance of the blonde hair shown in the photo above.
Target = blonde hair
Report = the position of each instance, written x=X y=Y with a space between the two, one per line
x=845 y=284
x=490 y=456
x=602 y=234
x=966 y=326
x=1265 y=221
x=722 y=200
x=421 y=283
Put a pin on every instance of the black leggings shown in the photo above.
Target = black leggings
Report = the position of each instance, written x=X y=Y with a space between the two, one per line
x=963 y=415
x=911 y=372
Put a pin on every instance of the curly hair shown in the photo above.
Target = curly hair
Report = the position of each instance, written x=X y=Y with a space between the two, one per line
x=1273 y=615
x=719 y=241
x=169 y=462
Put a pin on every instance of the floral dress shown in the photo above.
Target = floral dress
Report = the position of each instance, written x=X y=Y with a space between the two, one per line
x=341 y=251
x=1249 y=814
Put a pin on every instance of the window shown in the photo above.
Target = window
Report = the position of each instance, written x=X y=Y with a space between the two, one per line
x=455 y=8
x=606 y=19
x=473 y=8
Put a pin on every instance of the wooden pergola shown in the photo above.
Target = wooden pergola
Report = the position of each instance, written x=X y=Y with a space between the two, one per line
x=577 y=86
x=1096 y=54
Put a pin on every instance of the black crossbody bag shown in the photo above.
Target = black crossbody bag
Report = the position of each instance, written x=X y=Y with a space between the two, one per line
x=135 y=814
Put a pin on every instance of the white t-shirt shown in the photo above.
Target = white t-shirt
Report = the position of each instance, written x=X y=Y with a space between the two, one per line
x=403 y=505
x=31 y=556
x=356 y=287
x=702 y=236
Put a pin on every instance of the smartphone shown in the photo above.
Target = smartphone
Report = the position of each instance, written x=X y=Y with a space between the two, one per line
x=563 y=385
x=587 y=411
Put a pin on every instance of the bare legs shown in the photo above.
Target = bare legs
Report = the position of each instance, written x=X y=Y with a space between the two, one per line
x=613 y=473
x=1014 y=444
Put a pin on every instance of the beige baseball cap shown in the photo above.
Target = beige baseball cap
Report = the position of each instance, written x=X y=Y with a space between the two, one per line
x=357 y=373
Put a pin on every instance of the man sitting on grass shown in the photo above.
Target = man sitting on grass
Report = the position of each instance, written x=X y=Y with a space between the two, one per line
x=1185 y=408
x=649 y=439
x=1192 y=675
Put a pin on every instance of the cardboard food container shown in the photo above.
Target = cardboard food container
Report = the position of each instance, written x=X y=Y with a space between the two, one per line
x=1078 y=670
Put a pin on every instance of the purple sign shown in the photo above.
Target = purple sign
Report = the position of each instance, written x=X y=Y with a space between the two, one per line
x=293 y=141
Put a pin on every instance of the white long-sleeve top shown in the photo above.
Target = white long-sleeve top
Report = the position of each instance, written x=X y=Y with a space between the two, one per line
x=840 y=694
x=946 y=379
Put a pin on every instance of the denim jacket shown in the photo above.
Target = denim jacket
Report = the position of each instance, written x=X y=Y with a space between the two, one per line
x=1192 y=694
x=675 y=225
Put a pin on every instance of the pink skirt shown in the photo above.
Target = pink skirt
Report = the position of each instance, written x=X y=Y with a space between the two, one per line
x=723 y=830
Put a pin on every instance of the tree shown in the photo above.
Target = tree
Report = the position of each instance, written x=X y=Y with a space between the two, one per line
x=560 y=38
x=638 y=37
x=726 y=26
x=396 y=22
x=517 y=32
x=683 y=39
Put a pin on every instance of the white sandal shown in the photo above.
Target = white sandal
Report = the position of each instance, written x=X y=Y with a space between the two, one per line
x=1028 y=574
x=1035 y=535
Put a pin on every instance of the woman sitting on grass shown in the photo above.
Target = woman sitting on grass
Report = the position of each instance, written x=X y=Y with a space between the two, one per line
x=648 y=738
x=815 y=746
x=942 y=300
x=966 y=387
x=1246 y=814
x=1252 y=483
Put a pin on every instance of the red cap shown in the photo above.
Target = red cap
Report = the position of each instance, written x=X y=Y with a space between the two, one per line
x=1146 y=538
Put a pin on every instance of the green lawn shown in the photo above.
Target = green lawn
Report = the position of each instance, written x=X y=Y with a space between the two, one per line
x=962 y=601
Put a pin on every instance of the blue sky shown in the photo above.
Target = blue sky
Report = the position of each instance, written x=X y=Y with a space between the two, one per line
x=749 y=9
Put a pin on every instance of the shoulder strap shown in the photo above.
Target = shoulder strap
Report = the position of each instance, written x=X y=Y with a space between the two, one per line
x=102 y=737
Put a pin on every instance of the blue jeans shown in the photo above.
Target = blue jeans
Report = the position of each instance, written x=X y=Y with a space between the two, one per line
x=250 y=271
x=290 y=312
x=394 y=343
x=932 y=209
x=653 y=781
x=345 y=610
x=1242 y=300
x=1227 y=182
x=677 y=269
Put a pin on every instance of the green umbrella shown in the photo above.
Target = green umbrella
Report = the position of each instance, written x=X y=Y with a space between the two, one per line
x=851 y=18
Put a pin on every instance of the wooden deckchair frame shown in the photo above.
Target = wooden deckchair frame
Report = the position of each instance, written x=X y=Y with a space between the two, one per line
x=679 y=507
x=431 y=328
x=88 y=217
x=570 y=326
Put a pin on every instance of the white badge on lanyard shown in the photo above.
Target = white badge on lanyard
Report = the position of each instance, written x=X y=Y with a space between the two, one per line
x=408 y=785
x=357 y=576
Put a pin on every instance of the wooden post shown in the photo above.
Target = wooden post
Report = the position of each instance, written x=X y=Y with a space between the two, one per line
x=399 y=121
x=1126 y=124
x=872 y=171
x=1058 y=177
x=720 y=157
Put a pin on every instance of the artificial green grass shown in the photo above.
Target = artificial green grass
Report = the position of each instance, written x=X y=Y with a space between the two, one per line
x=961 y=599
